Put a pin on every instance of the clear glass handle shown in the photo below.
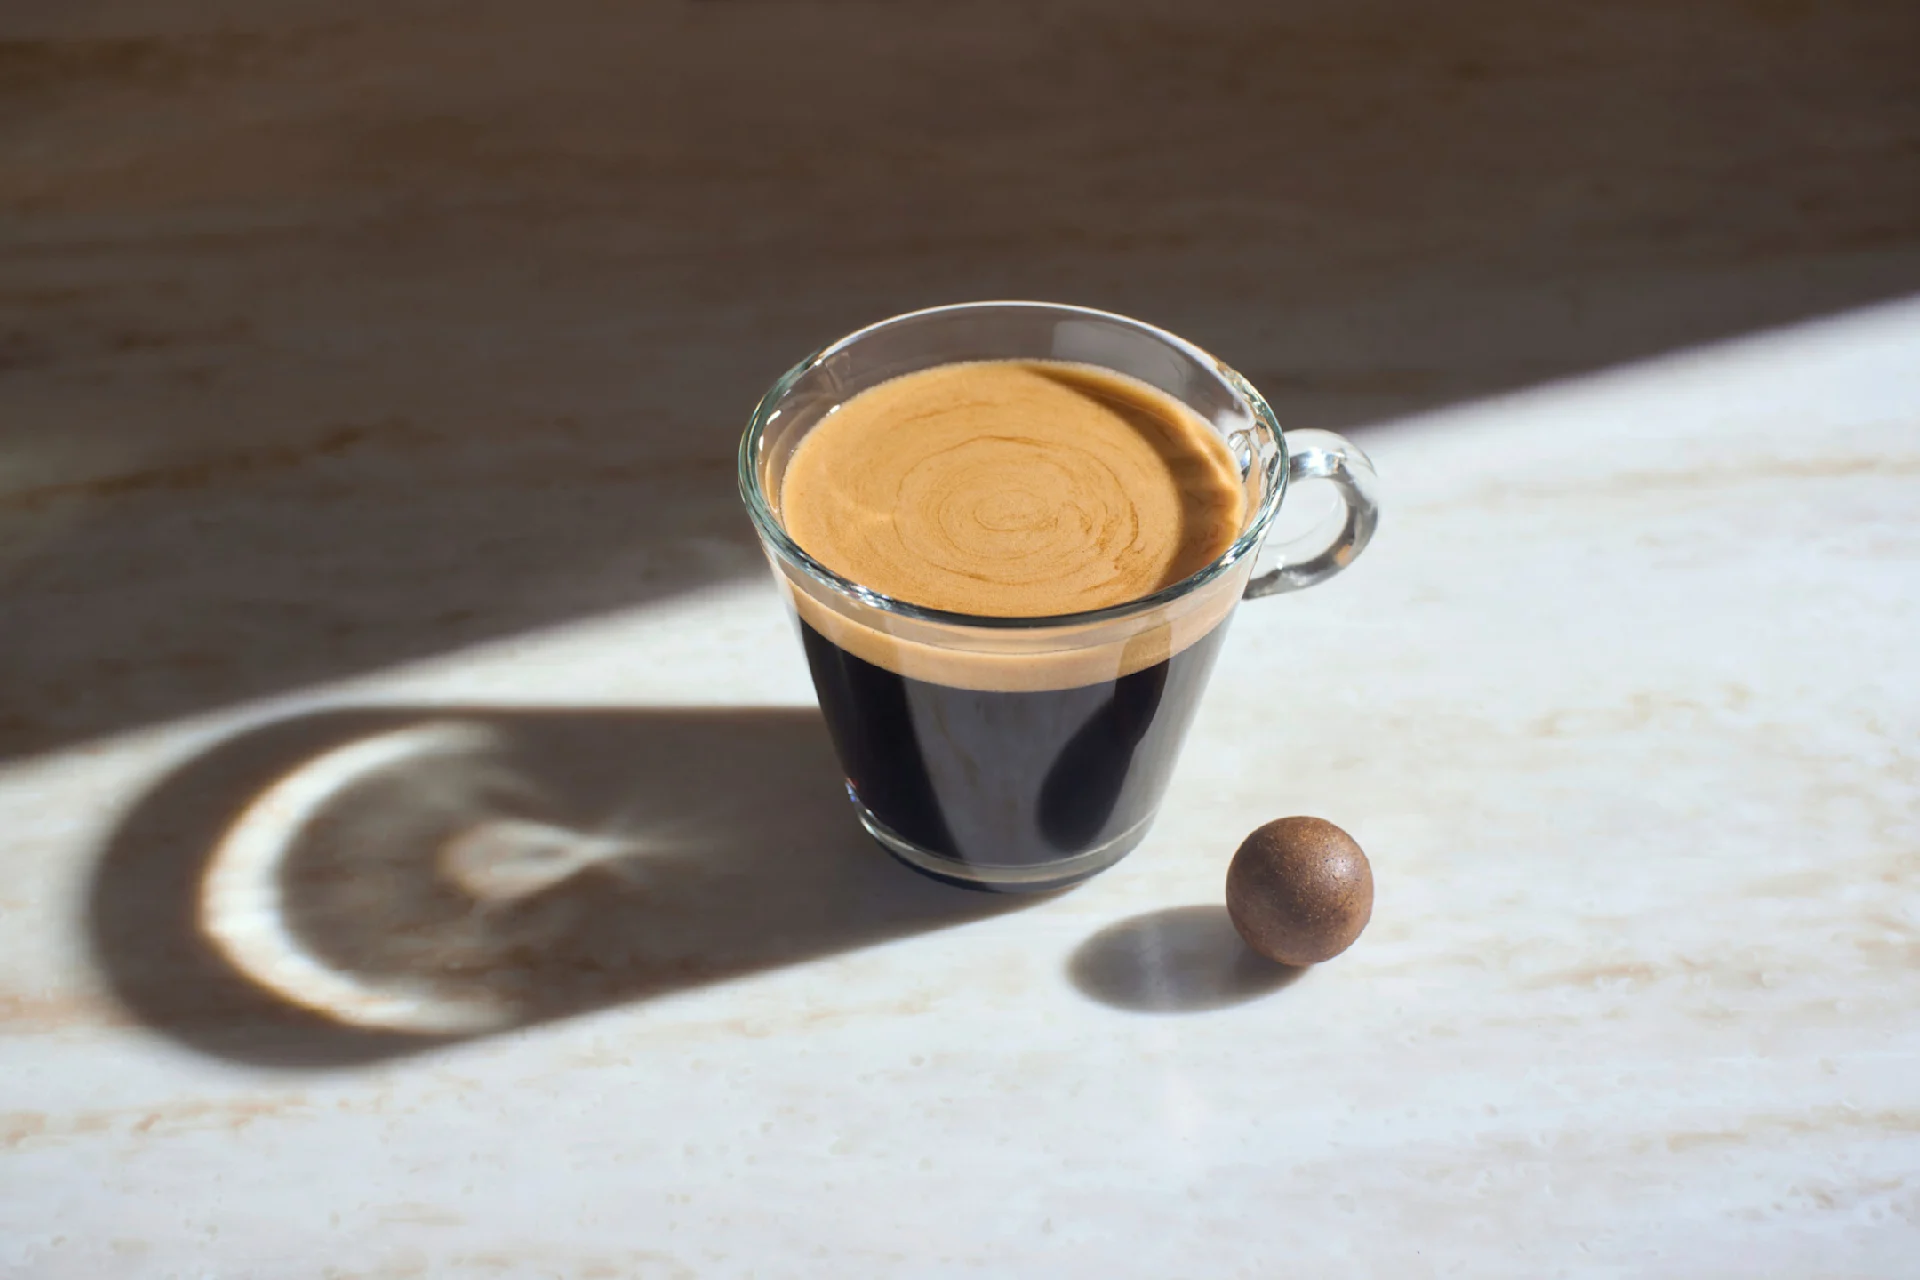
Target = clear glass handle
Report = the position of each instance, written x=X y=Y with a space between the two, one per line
x=1320 y=455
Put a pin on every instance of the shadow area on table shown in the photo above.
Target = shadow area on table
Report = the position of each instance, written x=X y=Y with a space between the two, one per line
x=453 y=338
x=352 y=885
x=1177 y=960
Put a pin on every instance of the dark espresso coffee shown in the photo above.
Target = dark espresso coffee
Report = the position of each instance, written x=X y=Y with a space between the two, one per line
x=1021 y=489
x=1020 y=779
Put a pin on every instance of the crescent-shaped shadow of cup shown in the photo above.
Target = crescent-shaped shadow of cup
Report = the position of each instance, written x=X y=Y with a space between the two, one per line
x=354 y=884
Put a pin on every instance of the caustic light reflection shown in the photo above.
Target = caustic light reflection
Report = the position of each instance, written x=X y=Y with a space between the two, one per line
x=426 y=847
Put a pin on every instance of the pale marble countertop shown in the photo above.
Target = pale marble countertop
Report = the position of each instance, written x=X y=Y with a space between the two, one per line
x=419 y=855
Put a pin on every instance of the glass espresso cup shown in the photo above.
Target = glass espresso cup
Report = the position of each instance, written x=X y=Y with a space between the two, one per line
x=1025 y=754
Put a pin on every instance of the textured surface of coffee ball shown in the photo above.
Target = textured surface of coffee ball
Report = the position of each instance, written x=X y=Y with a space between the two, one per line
x=1299 y=890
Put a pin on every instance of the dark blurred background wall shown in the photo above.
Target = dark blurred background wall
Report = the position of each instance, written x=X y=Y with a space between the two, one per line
x=334 y=335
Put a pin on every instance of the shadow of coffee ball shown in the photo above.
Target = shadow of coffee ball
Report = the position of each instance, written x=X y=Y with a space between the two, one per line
x=1180 y=960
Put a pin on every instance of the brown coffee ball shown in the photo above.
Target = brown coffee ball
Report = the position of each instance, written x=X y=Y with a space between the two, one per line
x=1299 y=890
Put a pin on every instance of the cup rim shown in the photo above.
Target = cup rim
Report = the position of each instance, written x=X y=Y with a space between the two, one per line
x=775 y=536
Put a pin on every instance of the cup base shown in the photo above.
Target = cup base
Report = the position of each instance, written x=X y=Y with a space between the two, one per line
x=989 y=877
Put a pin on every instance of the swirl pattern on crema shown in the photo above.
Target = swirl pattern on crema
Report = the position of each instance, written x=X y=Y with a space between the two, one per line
x=1013 y=489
